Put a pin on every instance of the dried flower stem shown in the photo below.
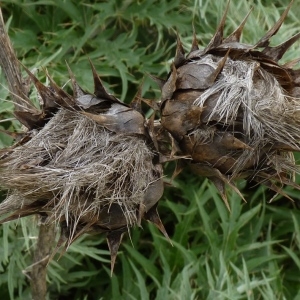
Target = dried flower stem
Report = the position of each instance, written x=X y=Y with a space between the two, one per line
x=41 y=256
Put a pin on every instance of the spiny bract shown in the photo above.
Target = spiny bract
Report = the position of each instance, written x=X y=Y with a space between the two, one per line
x=234 y=110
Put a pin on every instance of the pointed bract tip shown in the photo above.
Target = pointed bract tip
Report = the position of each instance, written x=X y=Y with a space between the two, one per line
x=30 y=120
x=99 y=89
x=46 y=94
x=264 y=179
x=277 y=52
x=264 y=41
x=236 y=35
x=218 y=36
x=61 y=243
x=30 y=74
x=77 y=90
x=63 y=98
x=220 y=185
x=170 y=85
x=136 y=102
x=63 y=250
x=140 y=215
x=180 y=54
x=195 y=46
x=178 y=169
x=151 y=103
x=151 y=129
x=114 y=240
x=152 y=216
x=220 y=66
x=160 y=82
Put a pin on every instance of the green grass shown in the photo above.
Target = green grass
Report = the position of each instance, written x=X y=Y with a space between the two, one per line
x=251 y=253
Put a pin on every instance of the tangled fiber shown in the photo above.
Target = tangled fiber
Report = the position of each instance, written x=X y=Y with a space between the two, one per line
x=80 y=167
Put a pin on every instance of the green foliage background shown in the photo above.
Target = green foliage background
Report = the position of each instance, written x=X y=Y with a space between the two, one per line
x=251 y=253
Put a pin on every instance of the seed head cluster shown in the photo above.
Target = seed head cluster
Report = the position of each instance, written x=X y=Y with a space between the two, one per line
x=91 y=163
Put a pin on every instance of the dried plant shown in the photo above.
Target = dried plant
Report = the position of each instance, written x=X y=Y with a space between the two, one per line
x=92 y=164
x=234 y=110
x=87 y=163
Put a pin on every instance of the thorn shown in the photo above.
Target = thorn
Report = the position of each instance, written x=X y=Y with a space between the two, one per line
x=220 y=185
x=219 y=68
x=152 y=216
x=136 y=102
x=232 y=185
x=100 y=90
x=85 y=229
x=170 y=86
x=77 y=90
x=194 y=42
x=114 y=239
x=141 y=213
x=277 y=52
x=26 y=210
x=152 y=131
x=218 y=36
x=215 y=173
x=236 y=35
x=152 y=104
x=180 y=55
x=49 y=99
x=268 y=183
x=232 y=143
x=24 y=99
x=178 y=169
x=64 y=250
x=264 y=41
x=290 y=183
x=20 y=213
x=174 y=147
x=63 y=99
x=160 y=82
x=30 y=120
x=163 y=158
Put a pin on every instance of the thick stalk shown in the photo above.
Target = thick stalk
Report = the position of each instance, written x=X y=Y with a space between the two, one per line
x=41 y=256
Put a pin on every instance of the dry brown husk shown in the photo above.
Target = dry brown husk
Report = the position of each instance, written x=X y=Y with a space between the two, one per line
x=88 y=164
x=234 y=110
x=93 y=164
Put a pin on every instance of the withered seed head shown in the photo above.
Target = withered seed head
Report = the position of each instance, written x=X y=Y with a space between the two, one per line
x=93 y=164
x=234 y=109
x=89 y=165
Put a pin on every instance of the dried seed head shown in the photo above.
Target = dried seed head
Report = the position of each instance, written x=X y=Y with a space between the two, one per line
x=235 y=111
x=90 y=162
x=90 y=167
